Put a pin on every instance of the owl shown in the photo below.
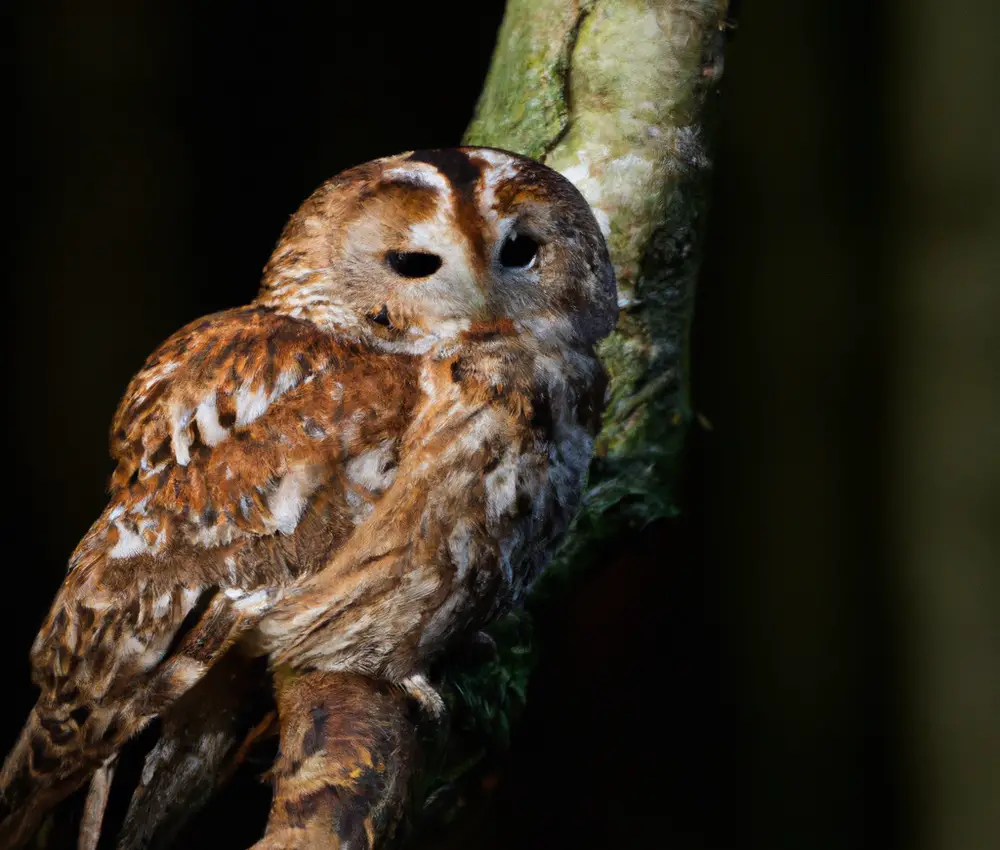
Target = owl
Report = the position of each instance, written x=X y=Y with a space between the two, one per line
x=372 y=459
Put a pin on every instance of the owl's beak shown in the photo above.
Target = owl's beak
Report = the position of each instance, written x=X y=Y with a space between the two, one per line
x=486 y=321
x=478 y=298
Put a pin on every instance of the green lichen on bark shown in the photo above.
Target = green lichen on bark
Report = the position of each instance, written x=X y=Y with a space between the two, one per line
x=523 y=104
x=614 y=94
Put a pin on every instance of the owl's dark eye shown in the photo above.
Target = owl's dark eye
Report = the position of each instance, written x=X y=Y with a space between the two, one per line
x=413 y=263
x=518 y=252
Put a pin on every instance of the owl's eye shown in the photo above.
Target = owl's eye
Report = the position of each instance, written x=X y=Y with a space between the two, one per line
x=413 y=263
x=518 y=252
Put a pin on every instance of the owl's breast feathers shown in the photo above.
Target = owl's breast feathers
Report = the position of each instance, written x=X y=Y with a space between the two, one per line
x=494 y=464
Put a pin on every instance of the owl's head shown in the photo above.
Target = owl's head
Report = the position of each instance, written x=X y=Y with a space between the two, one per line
x=442 y=244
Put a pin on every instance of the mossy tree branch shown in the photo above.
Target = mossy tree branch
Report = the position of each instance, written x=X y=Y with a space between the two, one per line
x=614 y=94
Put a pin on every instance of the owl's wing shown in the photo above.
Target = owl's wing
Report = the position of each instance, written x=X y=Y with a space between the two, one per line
x=235 y=446
x=205 y=736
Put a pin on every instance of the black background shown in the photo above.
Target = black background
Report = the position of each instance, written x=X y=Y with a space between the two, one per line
x=738 y=678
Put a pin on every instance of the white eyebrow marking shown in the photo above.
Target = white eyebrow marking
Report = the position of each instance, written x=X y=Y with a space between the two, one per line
x=493 y=157
x=502 y=169
x=422 y=177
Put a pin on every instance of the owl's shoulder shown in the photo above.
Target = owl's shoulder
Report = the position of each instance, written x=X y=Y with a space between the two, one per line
x=231 y=404
x=222 y=372
x=235 y=354
x=247 y=448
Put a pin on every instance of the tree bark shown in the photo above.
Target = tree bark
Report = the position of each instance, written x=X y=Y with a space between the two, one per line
x=617 y=96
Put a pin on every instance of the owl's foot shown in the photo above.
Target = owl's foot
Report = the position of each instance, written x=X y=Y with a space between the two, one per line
x=427 y=697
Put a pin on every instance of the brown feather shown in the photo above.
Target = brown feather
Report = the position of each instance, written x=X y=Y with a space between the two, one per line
x=347 y=750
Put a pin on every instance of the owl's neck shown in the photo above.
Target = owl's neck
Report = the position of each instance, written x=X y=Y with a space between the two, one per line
x=534 y=352
x=308 y=298
x=530 y=359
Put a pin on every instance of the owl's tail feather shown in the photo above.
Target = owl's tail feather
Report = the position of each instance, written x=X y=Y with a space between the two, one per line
x=347 y=748
x=38 y=773
x=97 y=802
x=205 y=737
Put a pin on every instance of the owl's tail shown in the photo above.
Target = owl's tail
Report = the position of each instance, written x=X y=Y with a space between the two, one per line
x=38 y=773
x=347 y=748
x=206 y=735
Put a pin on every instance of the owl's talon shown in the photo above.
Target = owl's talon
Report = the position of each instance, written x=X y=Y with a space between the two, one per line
x=427 y=697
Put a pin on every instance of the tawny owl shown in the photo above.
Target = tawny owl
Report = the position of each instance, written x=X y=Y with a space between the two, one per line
x=374 y=457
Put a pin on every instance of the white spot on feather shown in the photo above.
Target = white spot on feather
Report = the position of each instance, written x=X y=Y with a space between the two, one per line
x=459 y=543
x=287 y=380
x=374 y=469
x=231 y=569
x=255 y=602
x=162 y=604
x=147 y=470
x=288 y=502
x=156 y=376
x=134 y=646
x=186 y=672
x=424 y=177
x=250 y=405
x=129 y=544
x=189 y=595
x=481 y=430
x=501 y=488
x=180 y=439
x=207 y=417
x=215 y=535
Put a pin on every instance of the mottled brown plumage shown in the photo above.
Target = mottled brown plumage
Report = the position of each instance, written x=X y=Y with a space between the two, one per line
x=340 y=779
x=371 y=460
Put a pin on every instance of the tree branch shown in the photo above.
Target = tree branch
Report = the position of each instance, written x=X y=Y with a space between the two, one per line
x=614 y=94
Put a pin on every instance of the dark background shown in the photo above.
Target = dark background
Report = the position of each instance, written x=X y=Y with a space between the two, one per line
x=810 y=657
